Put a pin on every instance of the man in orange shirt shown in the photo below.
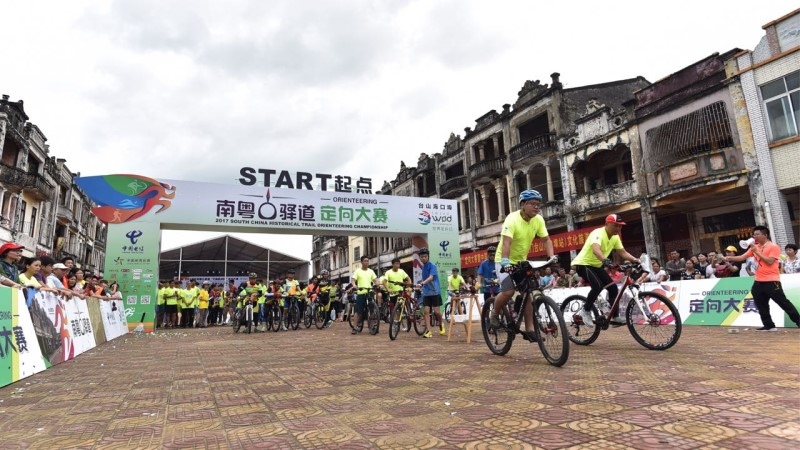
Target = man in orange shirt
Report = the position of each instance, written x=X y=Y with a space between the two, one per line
x=768 y=278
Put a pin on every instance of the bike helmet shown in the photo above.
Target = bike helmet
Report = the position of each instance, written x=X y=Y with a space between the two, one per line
x=253 y=275
x=323 y=273
x=491 y=249
x=529 y=194
x=424 y=251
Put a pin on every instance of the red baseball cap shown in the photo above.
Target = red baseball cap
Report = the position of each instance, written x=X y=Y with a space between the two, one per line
x=10 y=246
x=613 y=218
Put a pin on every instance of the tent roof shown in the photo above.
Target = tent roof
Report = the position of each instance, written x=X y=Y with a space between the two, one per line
x=207 y=259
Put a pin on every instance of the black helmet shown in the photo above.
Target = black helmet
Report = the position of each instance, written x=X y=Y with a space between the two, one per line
x=491 y=249
x=424 y=251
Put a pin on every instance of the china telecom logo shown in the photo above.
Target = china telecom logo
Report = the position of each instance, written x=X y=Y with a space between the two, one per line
x=425 y=218
x=133 y=236
x=444 y=245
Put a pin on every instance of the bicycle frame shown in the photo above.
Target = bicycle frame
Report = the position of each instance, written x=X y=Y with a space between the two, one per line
x=627 y=284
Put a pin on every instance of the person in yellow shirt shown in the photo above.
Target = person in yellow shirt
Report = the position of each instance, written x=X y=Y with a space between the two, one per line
x=187 y=305
x=394 y=280
x=363 y=280
x=161 y=306
x=171 y=295
x=202 y=305
x=454 y=282
x=291 y=288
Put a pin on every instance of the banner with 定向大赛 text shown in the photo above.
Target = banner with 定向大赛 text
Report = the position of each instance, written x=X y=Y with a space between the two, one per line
x=20 y=355
x=716 y=301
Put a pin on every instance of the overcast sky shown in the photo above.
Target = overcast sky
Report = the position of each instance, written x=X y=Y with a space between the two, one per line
x=196 y=89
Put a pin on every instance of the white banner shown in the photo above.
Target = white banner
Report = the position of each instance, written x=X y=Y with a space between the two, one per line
x=115 y=323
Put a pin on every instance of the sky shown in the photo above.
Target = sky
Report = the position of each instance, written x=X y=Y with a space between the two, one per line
x=197 y=89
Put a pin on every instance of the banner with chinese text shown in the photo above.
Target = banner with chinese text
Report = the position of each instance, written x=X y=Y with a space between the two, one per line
x=20 y=355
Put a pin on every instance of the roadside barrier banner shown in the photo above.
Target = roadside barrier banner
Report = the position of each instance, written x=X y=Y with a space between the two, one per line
x=20 y=355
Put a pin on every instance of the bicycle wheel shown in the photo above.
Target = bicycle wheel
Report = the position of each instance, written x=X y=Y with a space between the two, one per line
x=373 y=318
x=419 y=321
x=551 y=331
x=275 y=318
x=398 y=313
x=237 y=321
x=448 y=310
x=249 y=314
x=498 y=340
x=319 y=316
x=653 y=321
x=308 y=316
x=294 y=313
x=351 y=317
x=579 y=332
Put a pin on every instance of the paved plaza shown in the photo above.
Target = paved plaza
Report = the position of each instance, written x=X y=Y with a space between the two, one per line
x=327 y=389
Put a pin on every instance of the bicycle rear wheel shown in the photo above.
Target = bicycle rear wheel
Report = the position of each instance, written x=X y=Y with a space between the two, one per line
x=660 y=326
x=579 y=332
x=373 y=318
x=319 y=316
x=551 y=331
x=398 y=317
x=351 y=316
x=498 y=340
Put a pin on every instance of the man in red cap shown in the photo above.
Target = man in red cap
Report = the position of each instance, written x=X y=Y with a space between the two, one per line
x=10 y=254
x=592 y=259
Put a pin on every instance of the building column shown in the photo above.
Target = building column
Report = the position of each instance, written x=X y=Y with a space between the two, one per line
x=500 y=190
x=528 y=179
x=2 y=199
x=482 y=151
x=652 y=234
x=462 y=214
x=485 y=198
x=549 y=177
x=495 y=146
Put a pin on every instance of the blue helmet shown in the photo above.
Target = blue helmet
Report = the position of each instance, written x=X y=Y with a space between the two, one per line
x=529 y=194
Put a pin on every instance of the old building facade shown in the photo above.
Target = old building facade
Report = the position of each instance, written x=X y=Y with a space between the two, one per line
x=42 y=208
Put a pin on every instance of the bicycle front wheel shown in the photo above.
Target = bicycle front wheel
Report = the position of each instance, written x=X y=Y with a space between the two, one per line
x=351 y=316
x=659 y=328
x=551 y=331
x=579 y=332
x=319 y=316
x=419 y=321
x=448 y=310
x=237 y=322
x=276 y=319
x=498 y=340
x=294 y=314
x=398 y=314
x=308 y=316
x=373 y=318
x=249 y=327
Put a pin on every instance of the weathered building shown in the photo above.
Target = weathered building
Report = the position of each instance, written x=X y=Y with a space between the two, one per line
x=41 y=208
x=765 y=83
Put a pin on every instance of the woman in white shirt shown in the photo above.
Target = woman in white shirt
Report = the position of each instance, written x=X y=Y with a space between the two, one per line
x=792 y=262
x=658 y=274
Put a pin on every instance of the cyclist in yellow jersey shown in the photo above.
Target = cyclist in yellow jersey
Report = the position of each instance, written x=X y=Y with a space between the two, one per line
x=454 y=282
x=519 y=230
x=394 y=279
x=291 y=288
x=363 y=280
x=593 y=257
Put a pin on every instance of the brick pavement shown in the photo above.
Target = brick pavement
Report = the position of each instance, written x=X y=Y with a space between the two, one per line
x=327 y=389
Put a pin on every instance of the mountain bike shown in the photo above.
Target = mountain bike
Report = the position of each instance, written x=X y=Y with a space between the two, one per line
x=308 y=312
x=291 y=318
x=273 y=313
x=319 y=312
x=549 y=329
x=244 y=317
x=652 y=319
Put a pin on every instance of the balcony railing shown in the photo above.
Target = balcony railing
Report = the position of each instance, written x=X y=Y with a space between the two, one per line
x=554 y=209
x=64 y=213
x=616 y=194
x=456 y=185
x=533 y=147
x=40 y=185
x=13 y=176
x=488 y=169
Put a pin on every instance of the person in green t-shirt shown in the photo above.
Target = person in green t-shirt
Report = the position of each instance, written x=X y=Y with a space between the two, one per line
x=592 y=259
x=516 y=236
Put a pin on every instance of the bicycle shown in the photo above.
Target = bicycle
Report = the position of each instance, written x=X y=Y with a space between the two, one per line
x=405 y=312
x=549 y=329
x=273 y=314
x=292 y=317
x=319 y=313
x=308 y=312
x=648 y=310
x=457 y=296
x=244 y=317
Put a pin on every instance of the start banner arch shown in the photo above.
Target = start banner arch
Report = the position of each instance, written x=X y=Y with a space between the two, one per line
x=137 y=208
